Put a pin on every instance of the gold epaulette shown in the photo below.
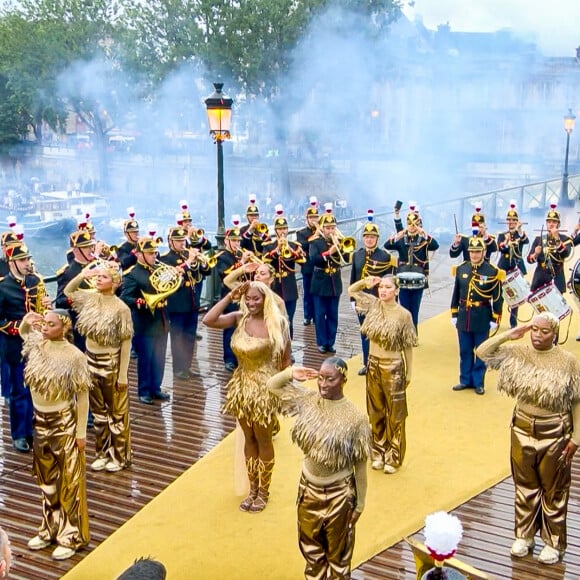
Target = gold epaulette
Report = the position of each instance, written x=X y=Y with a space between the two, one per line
x=61 y=270
x=129 y=269
x=453 y=270
x=165 y=254
x=501 y=274
x=394 y=263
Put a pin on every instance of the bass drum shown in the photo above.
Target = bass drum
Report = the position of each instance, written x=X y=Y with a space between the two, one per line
x=574 y=282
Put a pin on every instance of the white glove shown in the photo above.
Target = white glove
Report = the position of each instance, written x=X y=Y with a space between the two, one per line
x=353 y=306
x=454 y=322
x=492 y=325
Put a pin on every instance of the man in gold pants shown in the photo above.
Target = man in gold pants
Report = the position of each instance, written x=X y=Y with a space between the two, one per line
x=545 y=431
x=335 y=438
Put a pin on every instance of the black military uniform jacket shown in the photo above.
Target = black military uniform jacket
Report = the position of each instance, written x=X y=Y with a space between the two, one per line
x=183 y=300
x=477 y=299
x=17 y=298
x=4 y=269
x=126 y=255
x=253 y=241
x=146 y=323
x=326 y=277
x=550 y=262
x=285 y=277
x=63 y=276
x=226 y=262
x=377 y=262
x=463 y=248
x=413 y=250
x=511 y=248
x=302 y=237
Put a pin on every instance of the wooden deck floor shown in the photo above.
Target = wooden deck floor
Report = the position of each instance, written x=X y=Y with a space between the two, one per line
x=169 y=438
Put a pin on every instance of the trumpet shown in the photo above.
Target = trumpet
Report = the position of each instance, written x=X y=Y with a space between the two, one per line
x=203 y=258
x=195 y=235
x=261 y=229
x=165 y=280
x=250 y=257
x=106 y=251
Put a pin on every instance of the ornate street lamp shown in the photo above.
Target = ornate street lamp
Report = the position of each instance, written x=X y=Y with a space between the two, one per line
x=219 y=116
x=568 y=127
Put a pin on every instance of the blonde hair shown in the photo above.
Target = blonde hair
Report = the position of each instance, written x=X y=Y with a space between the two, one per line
x=553 y=320
x=276 y=322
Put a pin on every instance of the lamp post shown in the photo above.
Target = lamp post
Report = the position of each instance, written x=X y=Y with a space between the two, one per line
x=219 y=116
x=568 y=127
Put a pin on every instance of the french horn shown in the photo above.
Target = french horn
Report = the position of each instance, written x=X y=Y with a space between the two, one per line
x=165 y=280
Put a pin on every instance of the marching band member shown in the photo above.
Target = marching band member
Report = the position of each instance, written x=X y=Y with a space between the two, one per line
x=254 y=234
x=59 y=380
x=476 y=307
x=150 y=324
x=83 y=248
x=413 y=245
x=228 y=260
x=304 y=237
x=511 y=246
x=105 y=323
x=126 y=251
x=460 y=245
x=549 y=252
x=328 y=257
x=195 y=237
x=390 y=330
x=182 y=305
x=21 y=291
x=283 y=255
x=370 y=260
x=8 y=238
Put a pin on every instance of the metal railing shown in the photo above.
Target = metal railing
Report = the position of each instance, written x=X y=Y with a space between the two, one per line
x=532 y=198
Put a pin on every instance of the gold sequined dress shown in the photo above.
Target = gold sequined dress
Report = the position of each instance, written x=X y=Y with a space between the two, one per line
x=248 y=398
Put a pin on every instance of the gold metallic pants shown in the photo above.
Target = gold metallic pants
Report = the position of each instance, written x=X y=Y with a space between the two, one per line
x=110 y=408
x=59 y=467
x=541 y=478
x=387 y=409
x=324 y=536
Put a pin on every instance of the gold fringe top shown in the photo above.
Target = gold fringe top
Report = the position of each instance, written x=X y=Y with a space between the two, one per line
x=104 y=319
x=389 y=325
x=334 y=434
x=546 y=379
x=55 y=370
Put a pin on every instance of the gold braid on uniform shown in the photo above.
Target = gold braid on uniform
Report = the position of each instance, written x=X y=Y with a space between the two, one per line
x=390 y=326
x=104 y=319
x=549 y=380
x=335 y=436
x=55 y=371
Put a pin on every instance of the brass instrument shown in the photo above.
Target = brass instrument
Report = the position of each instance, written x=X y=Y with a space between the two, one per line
x=41 y=293
x=196 y=235
x=261 y=229
x=107 y=252
x=165 y=280
x=204 y=258
x=251 y=257
x=286 y=251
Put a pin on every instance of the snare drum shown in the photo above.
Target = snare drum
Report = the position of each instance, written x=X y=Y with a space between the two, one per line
x=411 y=280
x=549 y=299
x=574 y=283
x=515 y=288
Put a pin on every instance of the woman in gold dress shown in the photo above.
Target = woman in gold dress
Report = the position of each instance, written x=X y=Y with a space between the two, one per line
x=59 y=380
x=390 y=330
x=261 y=343
x=105 y=321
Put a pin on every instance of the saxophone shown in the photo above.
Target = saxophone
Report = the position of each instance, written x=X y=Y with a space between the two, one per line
x=41 y=293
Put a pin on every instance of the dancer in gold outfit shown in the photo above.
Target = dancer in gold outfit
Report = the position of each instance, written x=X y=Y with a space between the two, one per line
x=391 y=333
x=261 y=343
x=335 y=438
x=105 y=322
x=59 y=380
x=545 y=430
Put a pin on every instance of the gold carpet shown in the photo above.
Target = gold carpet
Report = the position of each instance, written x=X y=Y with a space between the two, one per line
x=457 y=447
